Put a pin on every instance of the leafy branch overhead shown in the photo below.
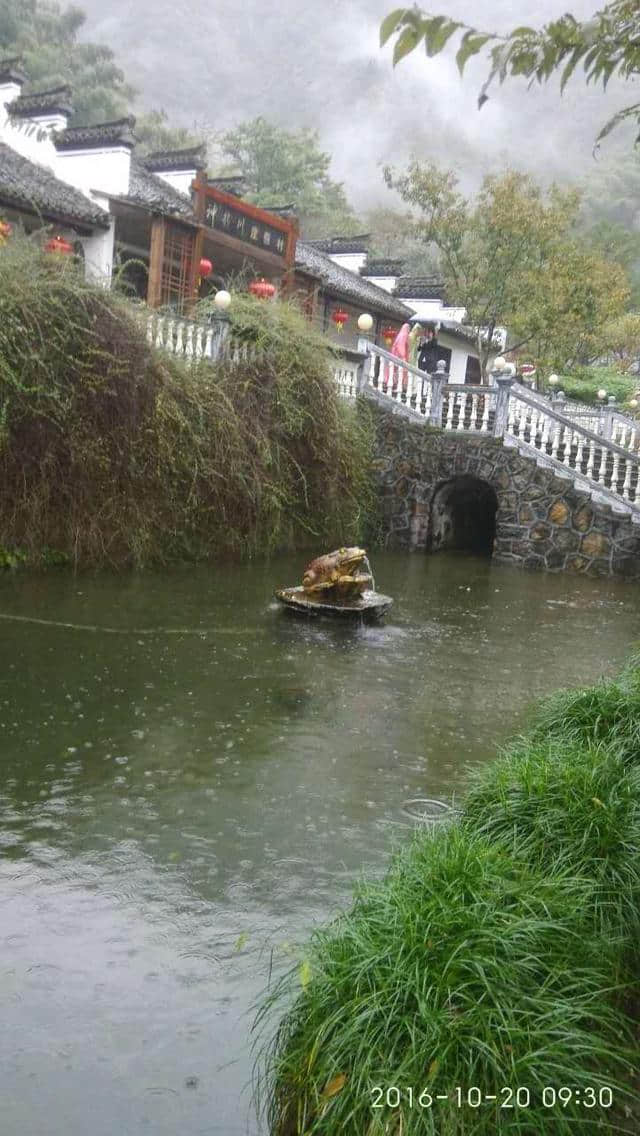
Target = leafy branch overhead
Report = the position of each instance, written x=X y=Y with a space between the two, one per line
x=607 y=44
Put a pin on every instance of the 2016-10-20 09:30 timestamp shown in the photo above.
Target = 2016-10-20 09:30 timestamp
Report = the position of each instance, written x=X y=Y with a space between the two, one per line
x=589 y=1096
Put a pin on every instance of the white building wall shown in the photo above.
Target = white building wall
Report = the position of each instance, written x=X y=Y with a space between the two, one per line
x=179 y=180
x=387 y=283
x=105 y=171
x=354 y=261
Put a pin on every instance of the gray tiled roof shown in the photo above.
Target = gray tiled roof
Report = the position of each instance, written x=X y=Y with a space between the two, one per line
x=117 y=133
x=348 y=284
x=55 y=101
x=191 y=158
x=337 y=245
x=419 y=287
x=12 y=70
x=234 y=183
x=31 y=187
x=156 y=195
x=382 y=268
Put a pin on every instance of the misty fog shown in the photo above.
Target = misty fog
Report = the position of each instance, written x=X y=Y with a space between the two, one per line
x=319 y=64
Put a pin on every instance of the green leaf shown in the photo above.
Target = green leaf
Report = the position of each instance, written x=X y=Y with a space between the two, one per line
x=471 y=45
x=571 y=65
x=305 y=974
x=391 y=23
x=405 y=43
x=437 y=32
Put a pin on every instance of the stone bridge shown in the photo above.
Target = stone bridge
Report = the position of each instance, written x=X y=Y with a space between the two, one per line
x=501 y=473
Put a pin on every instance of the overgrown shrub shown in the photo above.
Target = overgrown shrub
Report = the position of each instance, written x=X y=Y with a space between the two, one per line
x=111 y=453
x=584 y=383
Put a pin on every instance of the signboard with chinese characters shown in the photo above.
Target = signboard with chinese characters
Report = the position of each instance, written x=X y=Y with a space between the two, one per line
x=232 y=219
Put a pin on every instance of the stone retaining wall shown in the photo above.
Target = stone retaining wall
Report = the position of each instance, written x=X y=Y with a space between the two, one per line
x=542 y=520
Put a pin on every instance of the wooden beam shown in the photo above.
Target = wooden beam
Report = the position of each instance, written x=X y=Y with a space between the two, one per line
x=156 y=256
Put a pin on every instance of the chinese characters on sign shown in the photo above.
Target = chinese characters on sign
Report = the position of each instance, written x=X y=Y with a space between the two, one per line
x=237 y=224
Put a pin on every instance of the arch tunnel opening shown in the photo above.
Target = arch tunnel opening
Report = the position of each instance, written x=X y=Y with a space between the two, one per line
x=463 y=516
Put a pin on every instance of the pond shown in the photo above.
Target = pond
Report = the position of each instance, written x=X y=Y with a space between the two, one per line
x=192 y=778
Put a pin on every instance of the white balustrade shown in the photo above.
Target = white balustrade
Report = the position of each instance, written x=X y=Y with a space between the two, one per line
x=565 y=443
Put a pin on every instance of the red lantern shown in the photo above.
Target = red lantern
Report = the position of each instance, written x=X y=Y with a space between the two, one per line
x=205 y=268
x=58 y=244
x=388 y=334
x=5 y=231
x=262 y=289
x=340 y=318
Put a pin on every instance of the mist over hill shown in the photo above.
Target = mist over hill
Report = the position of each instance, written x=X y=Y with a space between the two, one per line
x=305 y=63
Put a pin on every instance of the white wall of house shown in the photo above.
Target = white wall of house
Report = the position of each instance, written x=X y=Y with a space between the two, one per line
x=387 y=283
x=96 y=171
x=179 y=180
x=354 y=261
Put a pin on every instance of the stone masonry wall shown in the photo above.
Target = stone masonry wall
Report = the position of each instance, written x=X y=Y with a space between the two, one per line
x=542 y=520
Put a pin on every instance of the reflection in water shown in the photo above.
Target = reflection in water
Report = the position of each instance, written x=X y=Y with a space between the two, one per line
x=181 y=801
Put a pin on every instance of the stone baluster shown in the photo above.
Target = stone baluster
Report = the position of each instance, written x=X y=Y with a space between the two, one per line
x=408 y=390
x=451 y=396
x=486 y=407
x=602 y=468
x=159 y=331
x=503 y=383
x=188 y=350
x=615 y=472
x=474 y=423
x=150 y=322
x=208 y=343
x=179 y=347
x=626 y=487
x=436 y=384
x=591 y=458
x=580 y=453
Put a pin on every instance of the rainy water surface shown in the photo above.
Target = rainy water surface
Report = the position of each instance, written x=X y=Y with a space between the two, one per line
x=191 y=778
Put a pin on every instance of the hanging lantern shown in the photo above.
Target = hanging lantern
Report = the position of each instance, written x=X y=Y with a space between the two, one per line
x=59 y=245
x=5 y=231
x=388 y=334
x=205 y=268
x=340 y=317
x=262 y=289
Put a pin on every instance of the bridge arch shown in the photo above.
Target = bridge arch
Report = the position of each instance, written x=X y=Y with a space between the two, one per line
x=462 y=515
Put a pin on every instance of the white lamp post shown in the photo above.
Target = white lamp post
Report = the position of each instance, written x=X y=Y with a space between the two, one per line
x=602 y=394
x=633 y=403
x=365 y=322
x=553 y=380
x=222 y=299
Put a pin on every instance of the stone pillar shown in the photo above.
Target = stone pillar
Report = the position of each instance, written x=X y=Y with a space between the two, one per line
x=503 y=383
x=437 y=382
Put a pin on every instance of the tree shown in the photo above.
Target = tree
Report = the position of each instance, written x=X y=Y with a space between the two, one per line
x=510 y=259
x=607 y=44
x=393 y=237
x=288 y=167
x=46 y=37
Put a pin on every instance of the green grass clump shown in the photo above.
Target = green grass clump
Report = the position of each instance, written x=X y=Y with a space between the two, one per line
x=607 y=713
x=114 y=454
x=461 y=968
x=570 y=809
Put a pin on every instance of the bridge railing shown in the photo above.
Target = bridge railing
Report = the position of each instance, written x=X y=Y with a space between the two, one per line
x=607 y=421
x=508 y=410
x=449 y=406
x=566 y=443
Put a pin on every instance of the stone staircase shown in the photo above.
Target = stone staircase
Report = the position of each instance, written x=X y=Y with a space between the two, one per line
x=595 y=464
